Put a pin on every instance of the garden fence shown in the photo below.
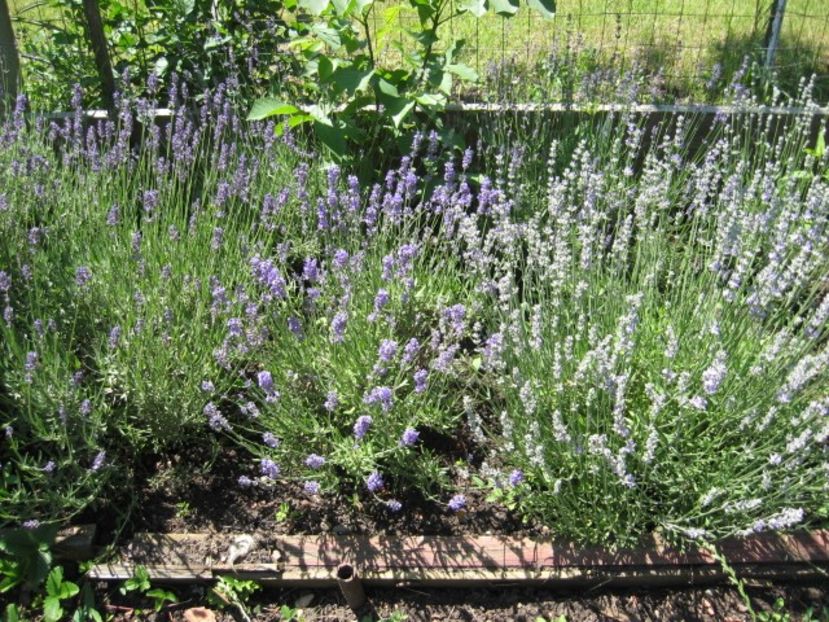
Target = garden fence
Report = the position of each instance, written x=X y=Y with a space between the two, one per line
x=679 y=39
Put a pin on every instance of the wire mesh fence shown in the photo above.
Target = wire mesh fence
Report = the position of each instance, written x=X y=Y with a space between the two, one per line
x=677 y=43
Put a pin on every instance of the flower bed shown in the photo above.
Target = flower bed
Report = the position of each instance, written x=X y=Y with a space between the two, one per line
x=636 y=341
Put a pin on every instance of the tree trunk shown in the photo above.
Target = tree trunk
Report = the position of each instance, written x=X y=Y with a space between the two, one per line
x=95 y=31
x=9 y=62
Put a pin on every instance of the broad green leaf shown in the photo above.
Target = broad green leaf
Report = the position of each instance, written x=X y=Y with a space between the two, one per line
x=54 y=580
x=359 y=6
x=52 y=610
x=320 y=114
x=331 y=137
x=397 y=108
x=269 y=107
x=12 y=613
x=325 y=67
x=314 y=7
x=68 y=590
x=387 y=88
x=351 y=80
x=464 y=72
x=431 y=100
x=327 y=35
x=547 y=8
x=341 y=6
x=476 y=7
x=507 y=8
x=185 y=7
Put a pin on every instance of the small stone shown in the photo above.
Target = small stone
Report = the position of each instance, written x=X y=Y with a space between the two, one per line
x=199 y=614
x=304 y=601
x=276 y=556
x=241 y=546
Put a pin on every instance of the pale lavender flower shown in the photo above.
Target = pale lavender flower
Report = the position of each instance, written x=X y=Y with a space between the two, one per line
x=5 y=281
x=114 y=337
x=85 y=408
x=421 y=378
x=331 y=401
x=136 y=242
x=381 y=300
x=30 y=365
x=49 y=467
x=374 y=482
x=314 y=461
x=244 y=481
x=410 y=437
x=456 y=316
x=388 y=267
x=713 y=376
x=31 y=524
x=216 y=241
x=361 y=426
x=269 y=468
x=215 y=419
x=457 y=503
x=698 y=402
x=788 y=517
x=270 y=440
x=393 y=505
x=311 y=487
x=99 y=461
x=207 y=386
x=250 y=409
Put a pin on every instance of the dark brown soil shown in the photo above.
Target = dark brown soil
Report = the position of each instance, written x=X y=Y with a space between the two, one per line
x=190 y=494
x=718 y=604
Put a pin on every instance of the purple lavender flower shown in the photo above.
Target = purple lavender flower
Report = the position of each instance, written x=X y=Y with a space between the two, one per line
x=516 y=477
x=410 y=351
x=268 y=275
x=98 y=461
x=173 y=233
x=136 y=242
x=457 y=503
x=421 y=378
x=49 y=467
x=310 y=270
x=387 y=350
x=82 y=276
x=207 y=386
x=394 y=506
x=265 y=382
x=5 y=282
x=85 y=408
x=215 y=419
x=244 y=481
x=713 y=376
x=150 y=201
x=410 y=437
x=331 y=401
x=30 y=365
x=380 y=395
x=235 y=327
x=388 y=267
x=114 y=337
x=77 y=378
x=314 y=461
x=381 y=300
x=39 y=328
x=456 y=315
x=31 y=524
x=361 y=426
x=374 y=482
x=295 y=326
x=270 y=440
x=340 y=259
x=338 y=326
x=250 y=409
x=269 y=468
x=311 y=487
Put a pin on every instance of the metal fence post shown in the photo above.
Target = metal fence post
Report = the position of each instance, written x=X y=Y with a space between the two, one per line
x=773 y=31
x=9 y=62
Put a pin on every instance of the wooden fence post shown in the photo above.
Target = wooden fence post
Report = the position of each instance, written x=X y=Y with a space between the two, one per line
x=95 y=31
x=9 y=61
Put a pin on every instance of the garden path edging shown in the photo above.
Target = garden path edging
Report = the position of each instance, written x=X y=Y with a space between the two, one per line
x=473 y=560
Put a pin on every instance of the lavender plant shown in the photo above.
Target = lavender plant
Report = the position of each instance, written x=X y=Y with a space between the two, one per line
x=635 y=340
